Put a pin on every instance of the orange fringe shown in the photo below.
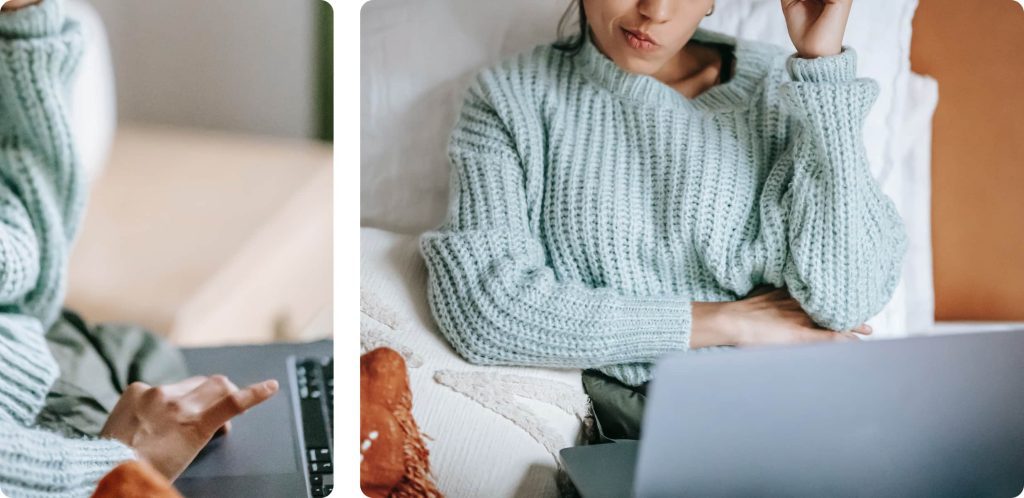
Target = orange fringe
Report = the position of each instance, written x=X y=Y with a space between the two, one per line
x=416 y=483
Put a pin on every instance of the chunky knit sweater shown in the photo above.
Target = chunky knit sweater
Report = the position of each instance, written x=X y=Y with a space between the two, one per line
x=590 y=206
x=41 y=198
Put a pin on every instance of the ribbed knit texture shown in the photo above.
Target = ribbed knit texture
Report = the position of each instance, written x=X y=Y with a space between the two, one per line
x=590 y=206
x=41 y=198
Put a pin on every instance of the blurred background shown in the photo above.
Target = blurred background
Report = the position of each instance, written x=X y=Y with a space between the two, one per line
x=205 y=130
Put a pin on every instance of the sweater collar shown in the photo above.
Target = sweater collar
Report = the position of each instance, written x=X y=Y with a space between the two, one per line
x=751 y=68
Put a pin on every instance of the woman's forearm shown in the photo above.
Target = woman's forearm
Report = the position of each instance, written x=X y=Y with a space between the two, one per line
x=844 y=237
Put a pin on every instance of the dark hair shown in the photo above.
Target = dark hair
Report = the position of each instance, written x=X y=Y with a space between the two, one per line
x=572 y=44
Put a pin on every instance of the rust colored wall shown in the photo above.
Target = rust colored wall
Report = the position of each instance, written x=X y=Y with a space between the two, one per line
x=975 y=49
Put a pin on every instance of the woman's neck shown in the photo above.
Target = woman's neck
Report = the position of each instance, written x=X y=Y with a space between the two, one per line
x=696 y=68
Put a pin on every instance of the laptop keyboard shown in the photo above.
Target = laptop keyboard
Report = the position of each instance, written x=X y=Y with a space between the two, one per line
x=315 y=380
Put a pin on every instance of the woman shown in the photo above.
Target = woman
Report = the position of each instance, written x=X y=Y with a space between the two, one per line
x=632 y=191
x=41 y=198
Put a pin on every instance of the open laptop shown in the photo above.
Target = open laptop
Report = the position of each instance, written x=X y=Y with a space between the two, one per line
x=935 y=416
x=281 y=447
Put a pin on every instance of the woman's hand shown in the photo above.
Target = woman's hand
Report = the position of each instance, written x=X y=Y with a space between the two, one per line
x=17 y=4
x=762 y=318
x=816 y=26
x=168 y=425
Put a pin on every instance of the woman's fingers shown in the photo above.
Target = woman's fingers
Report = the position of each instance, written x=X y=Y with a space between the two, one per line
x=183 y=387
x=210 y=392
x=224 y=429
x=826 y=335
x=237 y=403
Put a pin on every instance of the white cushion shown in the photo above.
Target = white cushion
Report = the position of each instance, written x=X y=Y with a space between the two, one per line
x=93 y=105
x=914 y=157
x=417 y=58
x=506 y=448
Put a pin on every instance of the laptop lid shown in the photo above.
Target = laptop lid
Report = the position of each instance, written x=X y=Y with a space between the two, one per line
x=935 y=416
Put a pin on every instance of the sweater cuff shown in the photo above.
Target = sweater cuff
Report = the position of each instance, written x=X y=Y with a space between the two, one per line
x=830 y=68
x=45 y=18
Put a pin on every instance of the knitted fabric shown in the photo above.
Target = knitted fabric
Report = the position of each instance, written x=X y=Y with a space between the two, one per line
x=591 y=206
x=41 y=198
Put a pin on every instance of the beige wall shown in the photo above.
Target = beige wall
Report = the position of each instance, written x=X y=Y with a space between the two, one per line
x=975 y=49
x=240 y=65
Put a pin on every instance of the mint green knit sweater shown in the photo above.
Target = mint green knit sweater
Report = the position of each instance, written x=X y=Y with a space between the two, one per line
x=41 y=198
x=590 y=206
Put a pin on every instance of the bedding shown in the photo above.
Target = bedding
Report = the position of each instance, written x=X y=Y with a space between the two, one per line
x=490 y=431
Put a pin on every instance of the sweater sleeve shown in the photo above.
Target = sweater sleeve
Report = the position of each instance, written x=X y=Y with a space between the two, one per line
x=845 y=239
x=491 y=290
x=39 y=204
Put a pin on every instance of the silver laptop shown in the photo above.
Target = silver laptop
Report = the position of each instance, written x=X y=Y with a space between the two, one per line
x=935 y=416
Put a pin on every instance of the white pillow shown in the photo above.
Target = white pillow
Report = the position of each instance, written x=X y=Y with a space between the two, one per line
x=417 y=58
x=914 y=160
x=491 y=431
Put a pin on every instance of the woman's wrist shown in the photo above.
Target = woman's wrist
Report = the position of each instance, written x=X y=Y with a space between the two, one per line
x=710 y=325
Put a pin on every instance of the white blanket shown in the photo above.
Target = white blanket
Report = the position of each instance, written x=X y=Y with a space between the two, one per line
x=491 y=431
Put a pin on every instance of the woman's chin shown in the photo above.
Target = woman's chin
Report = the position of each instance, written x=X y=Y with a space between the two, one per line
x=637 y=65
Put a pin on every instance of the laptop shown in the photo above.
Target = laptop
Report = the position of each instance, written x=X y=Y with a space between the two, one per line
x=931 y=416
x=281 y=447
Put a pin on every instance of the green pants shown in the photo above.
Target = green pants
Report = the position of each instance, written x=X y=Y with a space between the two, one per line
x=97 y=362
x=618 y=408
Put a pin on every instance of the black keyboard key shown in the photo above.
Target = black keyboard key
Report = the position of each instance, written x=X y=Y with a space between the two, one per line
x=313 y=423
x=318 y=491
x=316 y=480
x=327 y=489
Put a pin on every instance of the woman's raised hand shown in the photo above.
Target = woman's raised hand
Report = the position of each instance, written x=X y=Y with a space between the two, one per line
x=762 y=318
x=168 y=425
x=816 y=26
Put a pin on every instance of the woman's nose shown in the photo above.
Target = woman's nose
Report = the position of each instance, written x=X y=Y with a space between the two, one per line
x=655 y=10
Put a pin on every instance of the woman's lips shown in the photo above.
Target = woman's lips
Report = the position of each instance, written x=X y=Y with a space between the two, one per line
x=639 y=41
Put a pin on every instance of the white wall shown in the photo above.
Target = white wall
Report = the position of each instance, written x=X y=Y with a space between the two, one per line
x=245 y=65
